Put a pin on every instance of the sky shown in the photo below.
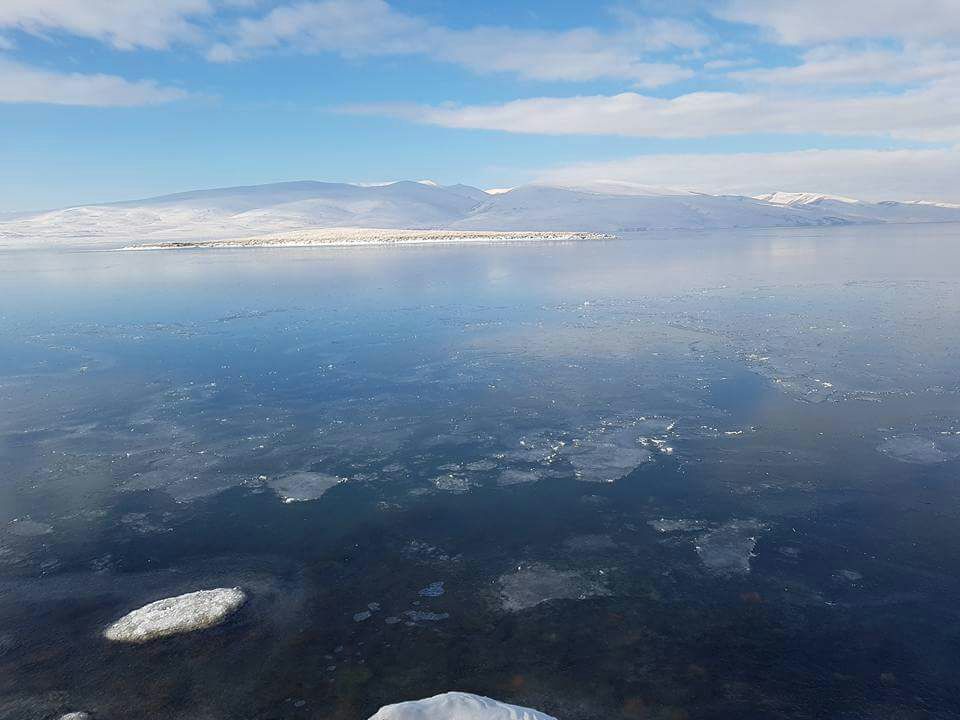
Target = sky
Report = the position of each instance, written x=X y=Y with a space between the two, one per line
x=106 y=100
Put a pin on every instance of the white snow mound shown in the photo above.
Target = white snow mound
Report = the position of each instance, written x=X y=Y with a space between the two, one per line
x=457 y=706
x=176 y=615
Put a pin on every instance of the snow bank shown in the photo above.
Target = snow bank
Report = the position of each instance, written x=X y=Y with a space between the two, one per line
x=176 y=615
x=457 y=706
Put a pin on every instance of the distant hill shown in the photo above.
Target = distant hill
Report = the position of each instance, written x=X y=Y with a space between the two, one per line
x=600 y=207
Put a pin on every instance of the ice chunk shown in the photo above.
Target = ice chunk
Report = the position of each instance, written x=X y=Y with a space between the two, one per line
x=665 y=525
x=416 y=616
x=433 y=589
x=175 y=615
x=913 y=449
x=727 y=550
x=28 y=528
x=512 y=476
x=457 y=706
x=451 y=483
x=76 y=716
x=532 y=584
x=303 y=486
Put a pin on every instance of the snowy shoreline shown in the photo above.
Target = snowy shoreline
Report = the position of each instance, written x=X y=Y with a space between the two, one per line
x=351 y=237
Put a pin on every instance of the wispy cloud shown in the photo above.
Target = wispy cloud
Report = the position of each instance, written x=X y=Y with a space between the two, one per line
x=839 y=65
x=818 y=21
x=123 y=24
x=866 y=174
x=929 y=114
x=21 y=83
x=366 y=28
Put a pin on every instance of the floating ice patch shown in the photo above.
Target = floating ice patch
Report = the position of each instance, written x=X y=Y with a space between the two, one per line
x=303 y=486
x=140 y=523
x=76 y=716
x=28 y=528
x=913 y=449
x=455 y=484
x=416 y=616
x=532 y=584
x=850 y=576
x=512 y=476
x=665 y=525
x=457 y=706
x=589 y=544
x=433 y=589
x=605 y=461
x=423 y=552
x=176 y=615
x=727 y=550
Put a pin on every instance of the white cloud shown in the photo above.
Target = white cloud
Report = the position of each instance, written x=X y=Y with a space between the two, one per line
x=930 y=114
x=815 y=21
x=25 y=84
x=864 y=174
x=837 y=65
x=124 y=24
x=359 y=28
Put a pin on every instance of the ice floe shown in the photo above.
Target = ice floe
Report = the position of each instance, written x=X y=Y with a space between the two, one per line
x=726 y=550
x=418 y=616
x=534 y=583
x=665 y=525
x=433 y=589
x=914 y=449
x=457 y=706
x=28 y=528
x=303 y=486
x=176 y=615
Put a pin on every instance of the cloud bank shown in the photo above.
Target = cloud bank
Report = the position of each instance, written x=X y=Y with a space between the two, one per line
x=874 y=175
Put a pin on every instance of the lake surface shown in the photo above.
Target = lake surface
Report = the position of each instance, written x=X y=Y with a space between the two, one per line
x=666 y=477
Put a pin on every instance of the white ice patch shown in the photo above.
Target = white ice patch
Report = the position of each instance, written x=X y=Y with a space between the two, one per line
x=28 y=528
x=913 y=449
x=176 y=615
x=665 y=525
x=456 y=484
x=727 y=550
x=457 y=706
x=532 y=584
x=303 y=486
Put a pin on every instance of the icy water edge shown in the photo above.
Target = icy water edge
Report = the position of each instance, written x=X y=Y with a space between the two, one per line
x=670 y=476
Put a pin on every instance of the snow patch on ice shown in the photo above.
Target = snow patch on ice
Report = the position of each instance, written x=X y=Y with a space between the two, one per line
x=176 y=615
x=457 y=706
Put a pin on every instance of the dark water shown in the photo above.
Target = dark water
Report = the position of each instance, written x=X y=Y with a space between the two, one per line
x=665 y=477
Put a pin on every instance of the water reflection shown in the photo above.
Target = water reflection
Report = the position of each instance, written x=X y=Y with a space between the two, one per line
x=694 y=475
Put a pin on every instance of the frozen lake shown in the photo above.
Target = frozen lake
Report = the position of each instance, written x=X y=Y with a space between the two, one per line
x=668 y=476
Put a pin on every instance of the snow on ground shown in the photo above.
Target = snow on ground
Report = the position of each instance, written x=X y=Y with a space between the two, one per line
x=457 y=706
x=344 y=237
x=176 y=615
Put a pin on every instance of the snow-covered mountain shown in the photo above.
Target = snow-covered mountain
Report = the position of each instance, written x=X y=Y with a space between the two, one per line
x=597 y=207
x=910 y=211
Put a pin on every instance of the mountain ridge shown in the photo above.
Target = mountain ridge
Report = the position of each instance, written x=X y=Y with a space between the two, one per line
x=602 y=206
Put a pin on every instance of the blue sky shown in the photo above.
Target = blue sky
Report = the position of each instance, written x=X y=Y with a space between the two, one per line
x=113 y=99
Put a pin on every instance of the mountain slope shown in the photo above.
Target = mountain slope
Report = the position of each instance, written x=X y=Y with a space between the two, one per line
x=861 y=211
x=242 y=212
